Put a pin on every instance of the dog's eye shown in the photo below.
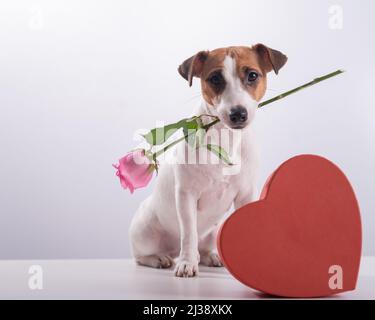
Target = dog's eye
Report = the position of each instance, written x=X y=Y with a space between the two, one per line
x=216 y=79
x=252 y=76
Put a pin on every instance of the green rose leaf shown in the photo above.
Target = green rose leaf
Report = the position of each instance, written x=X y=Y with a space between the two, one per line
x=220 y=152
x=199 y=137
x=159 y=136
x=194 y=133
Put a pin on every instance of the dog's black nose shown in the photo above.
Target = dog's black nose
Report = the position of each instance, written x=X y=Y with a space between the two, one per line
x=238 y=115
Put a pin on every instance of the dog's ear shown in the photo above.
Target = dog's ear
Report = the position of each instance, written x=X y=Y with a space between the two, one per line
x=193 y=66
x=271 y=59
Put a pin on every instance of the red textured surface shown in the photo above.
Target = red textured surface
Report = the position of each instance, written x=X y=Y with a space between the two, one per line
x=307 y=220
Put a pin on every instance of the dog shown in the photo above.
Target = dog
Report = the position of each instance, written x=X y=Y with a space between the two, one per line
x=182 y=216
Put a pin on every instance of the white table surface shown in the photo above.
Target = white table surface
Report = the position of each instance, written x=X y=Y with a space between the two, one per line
x=122 y=279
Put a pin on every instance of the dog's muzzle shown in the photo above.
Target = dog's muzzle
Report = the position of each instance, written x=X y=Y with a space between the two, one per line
x=238 y=116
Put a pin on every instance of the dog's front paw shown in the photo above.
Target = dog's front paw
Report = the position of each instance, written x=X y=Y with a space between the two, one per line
x=186 y=268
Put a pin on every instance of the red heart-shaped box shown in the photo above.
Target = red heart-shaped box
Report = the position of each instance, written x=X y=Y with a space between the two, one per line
x=302 y=238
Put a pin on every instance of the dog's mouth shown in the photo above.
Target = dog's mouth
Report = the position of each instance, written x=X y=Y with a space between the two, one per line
x=238 y=127
x=236 y=121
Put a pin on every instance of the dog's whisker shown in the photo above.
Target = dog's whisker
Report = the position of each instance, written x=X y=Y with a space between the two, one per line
x=193 y=98
x=269 y=89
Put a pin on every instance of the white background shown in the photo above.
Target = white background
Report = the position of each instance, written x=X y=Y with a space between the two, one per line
x=78 y=78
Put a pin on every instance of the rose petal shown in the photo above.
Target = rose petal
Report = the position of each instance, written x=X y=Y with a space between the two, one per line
x=134 y=174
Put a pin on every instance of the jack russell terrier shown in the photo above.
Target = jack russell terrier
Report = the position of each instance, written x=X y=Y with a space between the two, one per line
x=181 y=217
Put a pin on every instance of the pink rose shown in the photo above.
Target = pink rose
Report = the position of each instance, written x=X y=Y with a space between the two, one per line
x=135 y=170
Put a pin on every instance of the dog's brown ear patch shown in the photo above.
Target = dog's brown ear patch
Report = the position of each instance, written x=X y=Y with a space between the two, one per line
x=271 y=59
x=193 y=66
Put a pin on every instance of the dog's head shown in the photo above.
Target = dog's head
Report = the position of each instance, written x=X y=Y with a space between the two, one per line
x=233 y=79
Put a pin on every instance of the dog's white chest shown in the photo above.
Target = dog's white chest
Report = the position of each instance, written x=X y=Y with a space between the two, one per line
x=217 y=198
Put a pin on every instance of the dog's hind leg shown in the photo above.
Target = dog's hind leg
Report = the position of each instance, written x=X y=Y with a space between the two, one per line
x=148 y=240
x=207 y=250
x=155 y=261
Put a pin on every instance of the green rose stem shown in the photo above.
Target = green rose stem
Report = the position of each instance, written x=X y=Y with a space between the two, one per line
x=288 y=93
x=262 y=104
x=206 y=127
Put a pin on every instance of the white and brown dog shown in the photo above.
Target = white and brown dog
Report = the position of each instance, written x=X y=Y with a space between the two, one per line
x=181 y=217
